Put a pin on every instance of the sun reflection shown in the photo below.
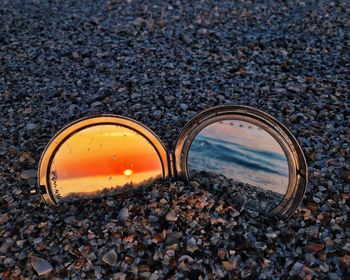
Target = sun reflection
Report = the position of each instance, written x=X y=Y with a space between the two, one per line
x=128 y=172
x=101 y=157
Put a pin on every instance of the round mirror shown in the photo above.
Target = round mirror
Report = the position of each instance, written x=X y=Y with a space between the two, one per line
x=99 y=157
x=244 y=158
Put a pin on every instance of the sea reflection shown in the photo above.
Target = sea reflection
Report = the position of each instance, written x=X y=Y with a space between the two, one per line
x=241 y=151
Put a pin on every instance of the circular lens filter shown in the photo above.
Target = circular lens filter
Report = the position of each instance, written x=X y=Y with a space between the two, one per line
x=244 y=155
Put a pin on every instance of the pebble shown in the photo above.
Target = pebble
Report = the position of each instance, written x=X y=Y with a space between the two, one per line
x=70 y=219
x=186 y=258
x=29 y=174
x=110 y=257
x=191 y=245
x=171 y=216
x=173 y=237
x=296 y=268
x=346 y=176
x=110 y=203
x=153 y=219
x=183 y=266
x=123 y=214
x=37 y=241
x=313 y=248
x=227 y=265
x=170 y=253
x=4 y=218
x=346 y=247
x=31 y=126
x=40 y=265
x=95 y=104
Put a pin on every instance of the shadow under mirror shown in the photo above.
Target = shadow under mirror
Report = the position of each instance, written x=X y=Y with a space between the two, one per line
x=101 y=158
x=241 y=160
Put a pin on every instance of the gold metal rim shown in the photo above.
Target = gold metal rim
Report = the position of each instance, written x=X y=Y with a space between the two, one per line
x=295 y=156
x=72 y=128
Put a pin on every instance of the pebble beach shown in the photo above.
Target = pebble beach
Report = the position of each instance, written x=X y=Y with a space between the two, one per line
x=161 y=63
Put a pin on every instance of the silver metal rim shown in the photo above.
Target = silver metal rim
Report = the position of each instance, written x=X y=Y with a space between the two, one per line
x=295 y=156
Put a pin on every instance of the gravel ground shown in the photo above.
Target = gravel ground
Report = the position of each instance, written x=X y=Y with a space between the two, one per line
x=242 y=195
x=161 y=63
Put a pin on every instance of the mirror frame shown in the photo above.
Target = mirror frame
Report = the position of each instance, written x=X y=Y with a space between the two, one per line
x=66 y=132
x=296 y=160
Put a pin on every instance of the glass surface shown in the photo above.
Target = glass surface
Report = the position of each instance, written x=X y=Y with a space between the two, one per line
x=241 y=161
x=101 y=158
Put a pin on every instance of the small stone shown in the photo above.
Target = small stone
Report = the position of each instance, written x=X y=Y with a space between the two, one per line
x=171 y=216
x=296 y=268
x=173 y=246
x=221 y=254
x=227 y=265
x=346 y=175
x=186 y=258
x=110 y=203
x=41 y=266
x=20 y=243
x=173 y=237
x=324 y=267
x=154 y=276
x=309 y=258
x=221 y=98
x=75 y=55
x=158 y=238
x=344 y=261
x=346 y=247
x=143 y=268
x=194 y=184
x=313 y=248
x=312 y=231
x=5 y=246
x=191 y=245
x=271 y=235
x=138 y=21
x=70 y=219
x=163 y=201
x=336 y=227
x=183 y=266
x=97 y=272
x=97 y=103
x=260 y=245
x=129 y=260
x=30 y=126
x=153 y=219
x=123 y=214
x=4 y=218
x=170 y=253
x=92 y=256
x=28 y=174
x=110 y=257
x=28 y=110
x=119 y=276
x=37 y=241
x=183 y=106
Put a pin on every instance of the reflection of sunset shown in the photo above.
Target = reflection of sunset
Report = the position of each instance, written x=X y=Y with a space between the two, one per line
x=104 y=156
x=128 y=172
